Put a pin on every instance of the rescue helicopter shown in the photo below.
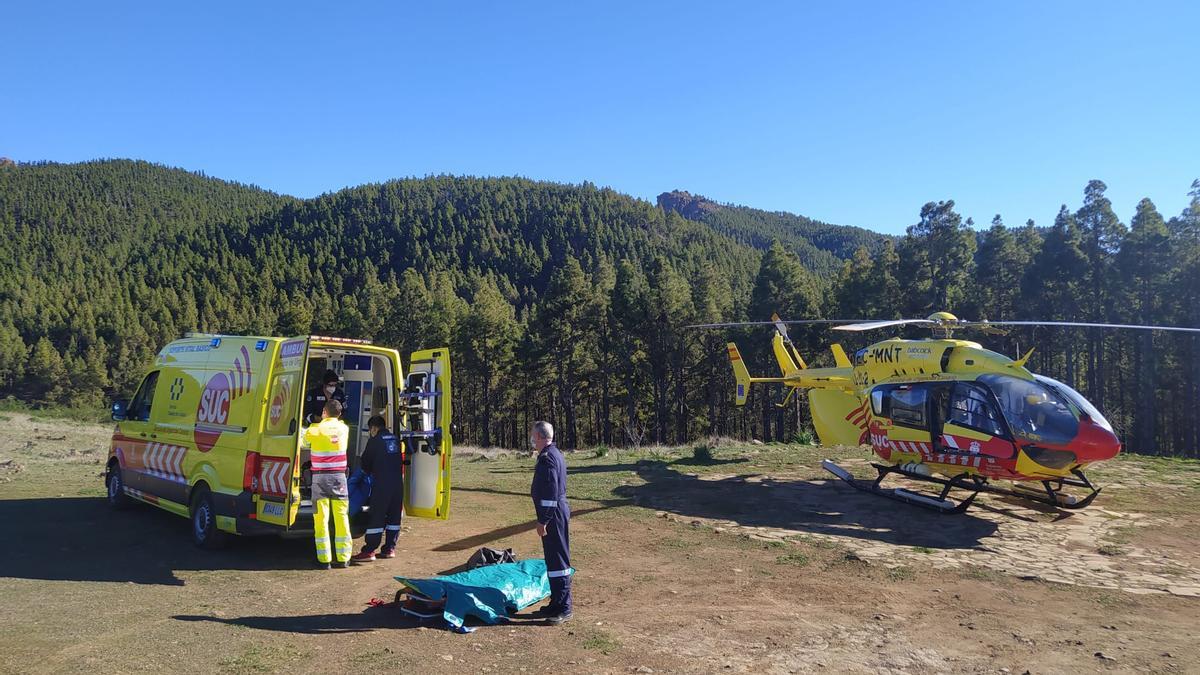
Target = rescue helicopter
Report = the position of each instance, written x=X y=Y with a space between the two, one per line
x=946 y=412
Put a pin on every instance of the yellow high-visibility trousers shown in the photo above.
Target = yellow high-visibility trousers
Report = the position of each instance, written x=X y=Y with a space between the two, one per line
x=341 y=529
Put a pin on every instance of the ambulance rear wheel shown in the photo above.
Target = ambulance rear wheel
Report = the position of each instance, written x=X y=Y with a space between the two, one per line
x=204 y=521
x=116 y=488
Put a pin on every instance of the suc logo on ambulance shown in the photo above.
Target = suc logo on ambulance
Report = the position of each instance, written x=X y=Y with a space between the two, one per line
x=212 y=412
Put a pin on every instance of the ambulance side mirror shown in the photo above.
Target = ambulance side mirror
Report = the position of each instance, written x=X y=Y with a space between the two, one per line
x=120 y=409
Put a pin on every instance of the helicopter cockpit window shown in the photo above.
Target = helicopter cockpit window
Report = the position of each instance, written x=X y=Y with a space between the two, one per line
x=1075 y=397
x=908 y=406
x=970 y=407
x=1033 y=410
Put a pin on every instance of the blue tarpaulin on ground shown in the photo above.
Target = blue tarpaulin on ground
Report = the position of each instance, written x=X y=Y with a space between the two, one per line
x=489 y=593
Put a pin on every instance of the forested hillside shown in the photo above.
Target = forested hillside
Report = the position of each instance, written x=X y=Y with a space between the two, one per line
x=821 y=247
x=568 y=301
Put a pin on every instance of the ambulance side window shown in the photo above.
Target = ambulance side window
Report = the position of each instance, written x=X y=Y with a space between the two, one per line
x=139 y=407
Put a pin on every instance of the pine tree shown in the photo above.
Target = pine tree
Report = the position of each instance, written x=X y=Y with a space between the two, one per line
x=854 y=295
x=485 y=341
x=564 y=340
x=949 y=246
x=1145 y=264
x=630 y=310
x=1054 y=285
x=712 y=298
x=13 y=354
x=47 y=373
x=1000 y=263
x=1102 y=235
x=884 y=285
x=1185 y=311
x=785 y=287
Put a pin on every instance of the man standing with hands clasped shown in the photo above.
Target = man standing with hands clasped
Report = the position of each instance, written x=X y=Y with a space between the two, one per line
x=549 y=492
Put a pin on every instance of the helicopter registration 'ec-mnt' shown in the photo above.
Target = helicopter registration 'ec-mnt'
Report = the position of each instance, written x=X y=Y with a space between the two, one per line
x=947 y=411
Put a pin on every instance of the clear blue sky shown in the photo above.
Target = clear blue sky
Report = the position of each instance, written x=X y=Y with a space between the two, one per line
x=850 y=113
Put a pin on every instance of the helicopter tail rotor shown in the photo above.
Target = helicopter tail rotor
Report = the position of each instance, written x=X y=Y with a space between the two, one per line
x=790 y=362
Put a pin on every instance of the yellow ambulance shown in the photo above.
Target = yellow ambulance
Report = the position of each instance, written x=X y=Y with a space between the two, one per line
x=213 y=432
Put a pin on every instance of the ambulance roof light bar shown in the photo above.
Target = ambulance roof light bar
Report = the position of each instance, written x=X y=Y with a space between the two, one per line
x=339 y=340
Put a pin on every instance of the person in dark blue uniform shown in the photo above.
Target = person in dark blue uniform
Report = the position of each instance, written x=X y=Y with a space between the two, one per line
x=328 y=390
x=383 y=461
x=549 y=492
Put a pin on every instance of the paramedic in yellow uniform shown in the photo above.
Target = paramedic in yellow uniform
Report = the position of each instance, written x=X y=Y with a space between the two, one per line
x=327 y=442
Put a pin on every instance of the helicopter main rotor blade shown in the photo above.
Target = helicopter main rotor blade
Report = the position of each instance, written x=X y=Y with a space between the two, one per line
x=736 y=324
x=1074 y=324
x=872 y=325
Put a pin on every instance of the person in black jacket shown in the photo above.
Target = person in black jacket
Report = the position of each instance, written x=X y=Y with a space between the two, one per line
x=319 y=395
x=549 y=493
x=383 y=461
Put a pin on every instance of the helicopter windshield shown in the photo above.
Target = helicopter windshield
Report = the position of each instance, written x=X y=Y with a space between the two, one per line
x=1035 y=411
x=1084 y=405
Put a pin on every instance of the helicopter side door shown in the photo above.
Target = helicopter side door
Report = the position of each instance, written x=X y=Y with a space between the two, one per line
x=907 y=407
x=973 y=424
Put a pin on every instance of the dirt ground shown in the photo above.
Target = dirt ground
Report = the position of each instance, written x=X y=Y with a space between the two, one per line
x=752 y=561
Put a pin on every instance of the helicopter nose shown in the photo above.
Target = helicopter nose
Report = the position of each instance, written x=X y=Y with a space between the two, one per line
x=1095 y=443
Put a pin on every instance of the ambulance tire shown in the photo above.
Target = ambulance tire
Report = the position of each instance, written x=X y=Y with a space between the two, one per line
x=116 y=487
x=205 y=533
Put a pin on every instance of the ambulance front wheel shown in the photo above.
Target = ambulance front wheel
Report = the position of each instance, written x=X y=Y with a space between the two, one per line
x=116 y=487
x=204 y=521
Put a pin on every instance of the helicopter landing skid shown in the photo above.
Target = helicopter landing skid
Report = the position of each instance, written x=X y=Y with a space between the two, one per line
x=940 y=503
x=1053 y=496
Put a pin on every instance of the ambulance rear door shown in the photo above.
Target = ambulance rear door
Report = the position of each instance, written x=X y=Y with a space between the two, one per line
x=426 y=402
x=274 y=473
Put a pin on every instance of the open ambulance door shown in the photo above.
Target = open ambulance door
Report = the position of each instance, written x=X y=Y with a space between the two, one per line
x=426 y=402
x=275 y=478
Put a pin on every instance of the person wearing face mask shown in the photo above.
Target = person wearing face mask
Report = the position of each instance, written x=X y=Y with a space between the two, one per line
x=318 y=396
x=549 y=493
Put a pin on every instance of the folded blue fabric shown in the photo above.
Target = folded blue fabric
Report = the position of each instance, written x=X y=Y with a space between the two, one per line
x=489 y=593
x=359 y=487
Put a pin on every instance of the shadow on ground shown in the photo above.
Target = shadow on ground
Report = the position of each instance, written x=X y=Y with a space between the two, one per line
x=814 y=506
x=611 y=468
x=84 y=539
x=372 y=618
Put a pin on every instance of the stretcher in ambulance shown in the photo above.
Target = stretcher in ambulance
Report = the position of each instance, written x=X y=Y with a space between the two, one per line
x=214 y=431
